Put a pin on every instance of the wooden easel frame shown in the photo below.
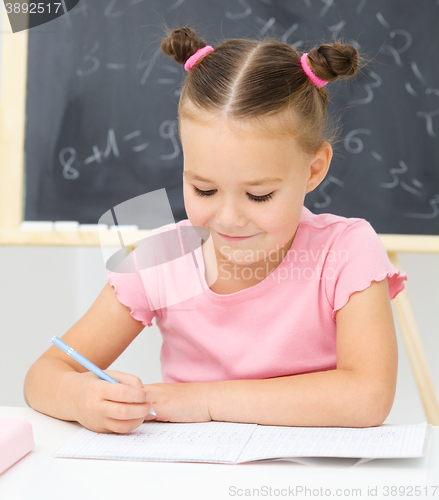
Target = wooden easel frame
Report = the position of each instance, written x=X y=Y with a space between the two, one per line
x=12 y=132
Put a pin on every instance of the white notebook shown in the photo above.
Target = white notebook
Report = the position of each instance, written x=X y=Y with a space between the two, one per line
x=232 y=443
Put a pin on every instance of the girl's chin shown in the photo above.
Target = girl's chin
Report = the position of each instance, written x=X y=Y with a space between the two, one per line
x=235 y=258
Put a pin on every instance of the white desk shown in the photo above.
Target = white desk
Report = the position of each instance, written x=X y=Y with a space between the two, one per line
x=40 y=476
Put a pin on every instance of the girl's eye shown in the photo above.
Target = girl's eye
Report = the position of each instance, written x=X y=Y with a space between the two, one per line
x=265 y=197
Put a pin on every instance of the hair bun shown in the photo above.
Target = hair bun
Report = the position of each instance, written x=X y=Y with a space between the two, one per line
x=331 y=61
x=182 y=43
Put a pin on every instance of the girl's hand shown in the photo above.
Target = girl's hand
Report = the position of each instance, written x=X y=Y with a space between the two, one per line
x=107 y=407
x=179 y=402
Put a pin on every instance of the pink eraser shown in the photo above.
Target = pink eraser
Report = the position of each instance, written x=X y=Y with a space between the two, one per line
x=16 y=441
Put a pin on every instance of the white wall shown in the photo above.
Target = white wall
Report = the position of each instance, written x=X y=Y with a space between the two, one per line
x=45 y=290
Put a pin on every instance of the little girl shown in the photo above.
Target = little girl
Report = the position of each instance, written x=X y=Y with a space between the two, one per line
x=297 y=329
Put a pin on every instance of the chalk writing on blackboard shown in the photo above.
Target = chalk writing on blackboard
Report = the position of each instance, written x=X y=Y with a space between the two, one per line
x=68 y=171
x=67 y=156
x=89 y=57
x=167 y=131
x=247 y=11
x=428 y=116
x=109 y=97
x=393 y=173
x=354 y=144
x=390 y=50
x=434 y=202
x=368 y=87
x=321 y=190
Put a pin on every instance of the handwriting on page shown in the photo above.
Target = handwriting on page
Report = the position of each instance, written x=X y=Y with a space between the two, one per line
x=209 y=441
x=227 y=442
x=392 y=441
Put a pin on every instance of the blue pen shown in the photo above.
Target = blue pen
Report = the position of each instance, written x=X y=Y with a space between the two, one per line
x=85 y=362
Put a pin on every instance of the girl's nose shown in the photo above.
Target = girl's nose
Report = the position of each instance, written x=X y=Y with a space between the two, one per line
x=230 y=214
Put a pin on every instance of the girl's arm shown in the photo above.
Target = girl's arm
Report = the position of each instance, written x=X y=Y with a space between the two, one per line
x=359 y=393
x=60 y=387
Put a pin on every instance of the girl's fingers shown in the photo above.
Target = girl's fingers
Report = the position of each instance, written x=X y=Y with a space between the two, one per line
x=123 y=393
x=125 y=412
x=123 y=426
x=125 y=378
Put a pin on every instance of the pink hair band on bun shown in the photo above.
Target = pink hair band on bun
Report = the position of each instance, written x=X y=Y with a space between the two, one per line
x=194 y=58
x=318 y=82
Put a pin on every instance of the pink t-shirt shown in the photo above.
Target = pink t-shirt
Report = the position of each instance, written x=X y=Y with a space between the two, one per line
x=285 y=324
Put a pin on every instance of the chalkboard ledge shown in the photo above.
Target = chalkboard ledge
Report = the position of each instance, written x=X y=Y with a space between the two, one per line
x=400 y=243
x=66 y=238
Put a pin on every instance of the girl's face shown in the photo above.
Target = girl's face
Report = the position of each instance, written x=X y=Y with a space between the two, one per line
x=246 y=185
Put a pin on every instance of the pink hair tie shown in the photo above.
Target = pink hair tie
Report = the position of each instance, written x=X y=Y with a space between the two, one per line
x=318 y=82
x=194 y=58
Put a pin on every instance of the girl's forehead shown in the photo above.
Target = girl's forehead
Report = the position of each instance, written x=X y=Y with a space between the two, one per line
x=262 y=139
x=254 y=130
x=246 y=159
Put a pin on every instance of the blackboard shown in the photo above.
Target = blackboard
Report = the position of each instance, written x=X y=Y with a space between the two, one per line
x=101 y=105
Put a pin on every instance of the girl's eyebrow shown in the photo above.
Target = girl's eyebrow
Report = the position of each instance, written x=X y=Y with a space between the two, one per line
x=258 y=182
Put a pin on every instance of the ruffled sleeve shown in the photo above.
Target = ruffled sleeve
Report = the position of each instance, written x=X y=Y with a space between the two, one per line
x=357 y=259
x=130 y=292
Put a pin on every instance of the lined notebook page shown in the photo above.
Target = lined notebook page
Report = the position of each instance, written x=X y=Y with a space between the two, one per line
x=389 y=441
x=220 y=442
x=226 y=442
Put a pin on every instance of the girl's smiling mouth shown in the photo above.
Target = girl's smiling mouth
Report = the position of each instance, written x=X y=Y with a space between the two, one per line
x=235 y=238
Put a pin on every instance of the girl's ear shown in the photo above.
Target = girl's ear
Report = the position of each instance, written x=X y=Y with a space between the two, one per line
x=319 y=166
